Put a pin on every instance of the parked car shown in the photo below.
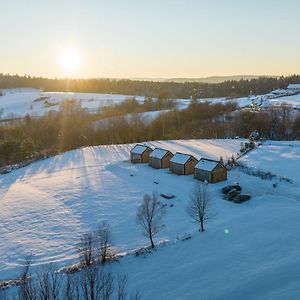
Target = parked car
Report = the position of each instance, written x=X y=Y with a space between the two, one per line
x=228 y=188
x=231 y=194
x=241 y=198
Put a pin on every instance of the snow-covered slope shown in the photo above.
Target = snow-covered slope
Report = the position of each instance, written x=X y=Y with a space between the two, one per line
x=20 y=102
x=46 y=206
x=249 y=251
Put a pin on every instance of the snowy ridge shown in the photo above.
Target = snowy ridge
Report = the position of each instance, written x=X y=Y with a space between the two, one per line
x=245 y=252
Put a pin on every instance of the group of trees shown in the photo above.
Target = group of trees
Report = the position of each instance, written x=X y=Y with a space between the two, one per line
x=132 y=106
x=151 y=212
x=90 y=283
x=228 y=88
x=72 y=127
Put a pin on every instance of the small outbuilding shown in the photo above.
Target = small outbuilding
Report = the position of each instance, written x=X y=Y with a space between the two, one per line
x=160 y=158
x=295 y=87
x=182 y=164
x=139 y=154
x=210 y=170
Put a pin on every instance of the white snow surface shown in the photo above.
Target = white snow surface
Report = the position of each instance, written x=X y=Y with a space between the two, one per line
x=180 y=158
x=19 y=102
x=139 y=149
x=206 y=165
x=158 y=153
x=248 y=251
x=22 y=101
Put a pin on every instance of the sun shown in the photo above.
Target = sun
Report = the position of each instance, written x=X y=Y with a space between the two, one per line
x=70 y=60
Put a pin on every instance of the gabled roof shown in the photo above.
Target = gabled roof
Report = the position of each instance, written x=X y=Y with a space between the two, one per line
x=294 y=86
x=208 y=164
x=181 y=158
x=159 y=153
x=139 y=149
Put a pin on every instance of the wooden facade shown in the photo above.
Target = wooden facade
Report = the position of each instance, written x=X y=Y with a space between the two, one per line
x=139 y=154
x=183 y=164
x=210 y=170
x=160 y=158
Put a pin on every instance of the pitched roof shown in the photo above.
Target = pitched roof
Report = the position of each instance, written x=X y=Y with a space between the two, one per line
x=207 y=164
x=294 y=86
x=181 y=158
x=158 y=153
x=139 y=149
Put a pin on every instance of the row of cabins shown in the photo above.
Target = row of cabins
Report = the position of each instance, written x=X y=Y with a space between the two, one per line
x=180 y=163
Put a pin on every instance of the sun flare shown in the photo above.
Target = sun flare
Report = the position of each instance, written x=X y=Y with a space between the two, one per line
x=70 y=60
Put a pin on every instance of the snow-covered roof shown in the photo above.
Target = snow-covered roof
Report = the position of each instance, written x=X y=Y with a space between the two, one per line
x=158 y=153
x=294 y=86
x=180 y=158
x=206 y=164
x=139 y=149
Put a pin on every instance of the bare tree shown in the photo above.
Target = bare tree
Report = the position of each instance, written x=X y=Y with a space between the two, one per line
x=104 y=242
x=49 y=283
x=199 y=204
x=26 y=290
x=86 y=249
x=95 y=284
x=122 y=288
x=46 y=285
x=149 y=216
x=3 y=294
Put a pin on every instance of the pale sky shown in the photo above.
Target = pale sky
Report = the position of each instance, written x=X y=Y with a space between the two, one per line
x=149 y=38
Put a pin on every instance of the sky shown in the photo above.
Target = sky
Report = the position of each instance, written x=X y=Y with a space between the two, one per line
x=149 y=39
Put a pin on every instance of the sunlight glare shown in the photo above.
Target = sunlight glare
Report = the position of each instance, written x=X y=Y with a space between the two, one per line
x=70 y=60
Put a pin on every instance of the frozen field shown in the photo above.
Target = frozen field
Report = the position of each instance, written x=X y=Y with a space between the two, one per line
x=20 y=102
x=245 y=253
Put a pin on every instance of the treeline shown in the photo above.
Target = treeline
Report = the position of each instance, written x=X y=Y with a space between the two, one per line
x=131 y=105
x=185 y=90
x=72 y=127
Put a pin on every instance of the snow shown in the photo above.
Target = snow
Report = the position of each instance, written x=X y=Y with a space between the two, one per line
x=248 y=251
x=19 y=102
x=22 y=101
x=158 y=153
x=294 y=86
x=139 y=149
x=206 y=165
x=180 y=158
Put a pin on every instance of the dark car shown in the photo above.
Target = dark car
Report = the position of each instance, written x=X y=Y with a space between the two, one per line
x=241 y=198
x=228 y=188
x=231 y=194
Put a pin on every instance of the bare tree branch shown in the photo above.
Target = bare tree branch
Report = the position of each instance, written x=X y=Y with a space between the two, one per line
x=149 y=217
x=198 y=208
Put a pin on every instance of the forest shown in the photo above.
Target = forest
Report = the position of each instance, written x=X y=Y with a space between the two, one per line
x=229 y=88
x=72 y=127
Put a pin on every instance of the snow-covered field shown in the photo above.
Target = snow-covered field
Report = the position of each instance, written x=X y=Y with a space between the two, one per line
x=249 y=251
x=19 y=102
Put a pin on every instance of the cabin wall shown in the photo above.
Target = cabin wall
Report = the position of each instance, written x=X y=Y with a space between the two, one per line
x=135 y=158
x=177 y=168
x=145 y=156
x=219 y=174
x=190 y=167
x=202 y=175
x=166 y=161
x=155 y=163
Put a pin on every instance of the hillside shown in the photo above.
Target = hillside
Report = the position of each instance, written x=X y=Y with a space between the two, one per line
x=246 y=251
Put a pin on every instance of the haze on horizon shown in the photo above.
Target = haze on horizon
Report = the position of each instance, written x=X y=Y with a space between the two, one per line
x=155 y=39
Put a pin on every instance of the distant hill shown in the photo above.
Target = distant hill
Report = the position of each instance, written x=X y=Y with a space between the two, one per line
x=211 y=79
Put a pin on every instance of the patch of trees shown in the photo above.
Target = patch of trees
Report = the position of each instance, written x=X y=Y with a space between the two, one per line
x=89 y=280
x=132 y=106
x=186 y=90
x=72 y=127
